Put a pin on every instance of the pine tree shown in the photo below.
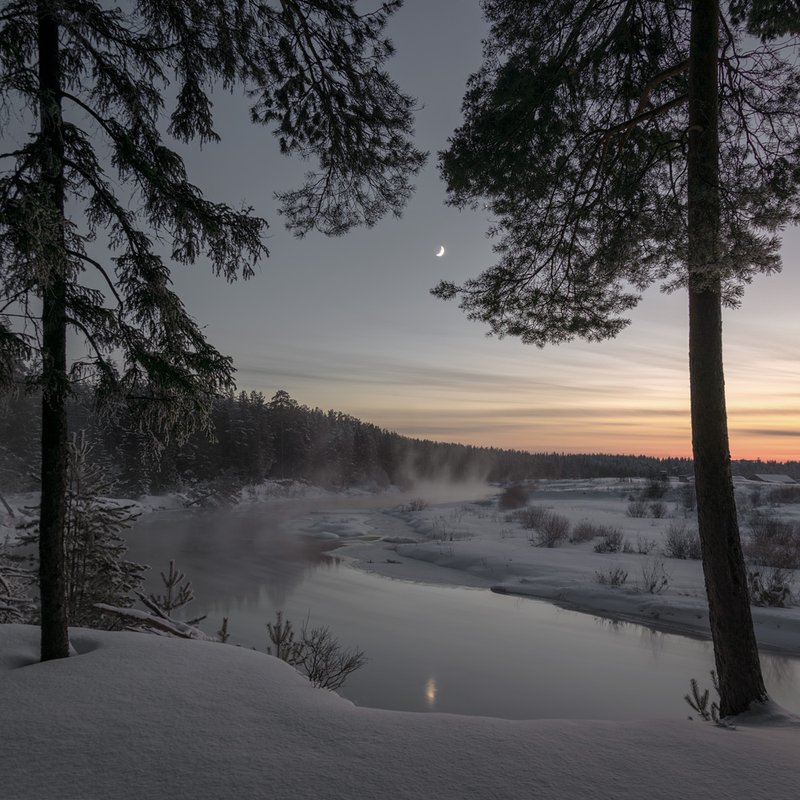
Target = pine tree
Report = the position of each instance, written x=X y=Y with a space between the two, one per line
x=91 y=190
x=624 y=144
x=291 y=435
x=178 y=591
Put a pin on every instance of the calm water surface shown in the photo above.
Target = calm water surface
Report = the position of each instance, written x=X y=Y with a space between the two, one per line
x=433 y=648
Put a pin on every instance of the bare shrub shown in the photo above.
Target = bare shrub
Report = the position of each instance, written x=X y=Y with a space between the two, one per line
x=637 y=508
x=586 y=531
x=783 y=495
x=613 y=576
x=324 y=660
x=770 y=586
x=645 y=545
x=530 y=517
x=658 y=509
x=317 y=654
x=551 y=531
x=414 y=504
x=514 y=496
x=655 y=489
x=442 y=530
x=682 y=542
x=773 y=542
x=611 y=542
x=654 y=579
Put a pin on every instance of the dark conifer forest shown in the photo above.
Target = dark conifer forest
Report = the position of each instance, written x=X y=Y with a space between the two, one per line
x=257 y=438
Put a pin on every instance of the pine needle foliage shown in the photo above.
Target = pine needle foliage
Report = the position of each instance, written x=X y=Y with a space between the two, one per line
x=623 y=144
x=575 y=140
x=698 y=701
x=96 y=203
x=178 y=590
x=314 y=72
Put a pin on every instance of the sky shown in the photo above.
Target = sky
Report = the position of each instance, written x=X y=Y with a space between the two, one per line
x=349 y=323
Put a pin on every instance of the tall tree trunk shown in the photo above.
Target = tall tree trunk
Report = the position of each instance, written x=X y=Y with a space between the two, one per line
x=735 y=649
x=52 y=266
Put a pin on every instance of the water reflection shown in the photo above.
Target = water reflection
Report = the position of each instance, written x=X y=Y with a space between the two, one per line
x=241 y=555
x=430 y=693
x=654 y=639
x=611 y=624
x=431 y=648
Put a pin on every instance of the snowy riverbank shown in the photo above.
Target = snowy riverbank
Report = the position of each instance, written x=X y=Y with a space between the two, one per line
x=132 y=715
x=457 y=535
x=138 y=716
x=476 y=544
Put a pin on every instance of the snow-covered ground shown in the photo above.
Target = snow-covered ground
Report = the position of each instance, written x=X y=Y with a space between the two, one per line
x=478 y=544
x=136 y=716
x=435 y=535
x=139 y=716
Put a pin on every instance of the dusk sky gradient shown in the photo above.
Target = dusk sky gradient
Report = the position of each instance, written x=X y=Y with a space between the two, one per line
x=349 y=323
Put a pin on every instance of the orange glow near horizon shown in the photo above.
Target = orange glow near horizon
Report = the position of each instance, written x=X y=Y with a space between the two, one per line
x=769 y=443
x=629 y=395
x=766 y=432
x=584 y=416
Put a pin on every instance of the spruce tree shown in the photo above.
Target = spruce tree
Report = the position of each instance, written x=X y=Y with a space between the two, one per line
x=92 y=190
x=95 y=568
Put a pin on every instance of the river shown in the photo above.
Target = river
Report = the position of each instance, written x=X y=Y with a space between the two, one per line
x=430 y=647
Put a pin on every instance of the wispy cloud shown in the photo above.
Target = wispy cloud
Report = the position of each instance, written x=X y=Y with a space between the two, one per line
x=629 y=396
x=771 y=433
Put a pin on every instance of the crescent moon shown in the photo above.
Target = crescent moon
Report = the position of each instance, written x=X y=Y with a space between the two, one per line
x=441 y=251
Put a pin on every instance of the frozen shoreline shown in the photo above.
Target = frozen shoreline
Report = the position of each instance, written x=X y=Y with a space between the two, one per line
x=458 y=537
x=472 y=544
x=132 y=715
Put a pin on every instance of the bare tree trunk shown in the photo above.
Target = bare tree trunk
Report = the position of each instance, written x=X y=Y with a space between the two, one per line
x=735 y=649
x=51 y=255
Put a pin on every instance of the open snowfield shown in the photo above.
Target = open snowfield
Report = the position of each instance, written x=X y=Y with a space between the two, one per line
x=135 y=716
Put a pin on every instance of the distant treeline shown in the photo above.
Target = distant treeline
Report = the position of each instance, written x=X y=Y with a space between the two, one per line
x=255 y=439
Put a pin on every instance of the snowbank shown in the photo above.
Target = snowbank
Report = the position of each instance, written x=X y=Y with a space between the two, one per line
x=136 y=716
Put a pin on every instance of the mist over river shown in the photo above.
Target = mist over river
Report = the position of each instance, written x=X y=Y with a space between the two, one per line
x=455 y=649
